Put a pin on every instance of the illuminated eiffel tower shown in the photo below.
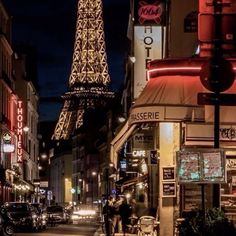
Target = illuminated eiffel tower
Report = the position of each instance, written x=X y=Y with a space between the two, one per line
x=89 y=80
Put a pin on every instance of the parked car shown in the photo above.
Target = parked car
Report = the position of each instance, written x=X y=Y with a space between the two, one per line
x=42 y=215
x=56 y=214
x=6 y=226
x=22 y=215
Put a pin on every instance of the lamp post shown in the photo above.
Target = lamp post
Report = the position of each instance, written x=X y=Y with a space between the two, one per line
x=93 y=176
x=107 y=202
x=217 y=75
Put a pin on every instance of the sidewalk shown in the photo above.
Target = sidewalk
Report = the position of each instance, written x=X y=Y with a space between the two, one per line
x=100 y=233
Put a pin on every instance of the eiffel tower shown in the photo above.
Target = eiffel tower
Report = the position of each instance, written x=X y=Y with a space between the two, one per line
x=89 y=79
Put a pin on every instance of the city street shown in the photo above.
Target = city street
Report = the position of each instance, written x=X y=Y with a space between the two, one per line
x=64 y=229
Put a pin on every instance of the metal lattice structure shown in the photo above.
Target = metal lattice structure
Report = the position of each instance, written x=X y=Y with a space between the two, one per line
x=89 y=78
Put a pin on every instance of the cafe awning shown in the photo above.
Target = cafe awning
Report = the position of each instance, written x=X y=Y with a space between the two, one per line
x=119 y=140
x=168 y=98
x=128 y=181
x=170 y=95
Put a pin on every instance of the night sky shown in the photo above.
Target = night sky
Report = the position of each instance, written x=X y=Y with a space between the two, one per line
x=49 y=25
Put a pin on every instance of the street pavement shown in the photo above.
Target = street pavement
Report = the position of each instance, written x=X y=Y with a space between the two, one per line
x=65 y=230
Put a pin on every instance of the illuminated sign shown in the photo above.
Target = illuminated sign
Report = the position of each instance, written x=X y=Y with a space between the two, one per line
x=147 y=47
x=8 y=148
x=151 y=12
x=19 y=119
x=139 y=153
x=6 y=137
x=123 y=165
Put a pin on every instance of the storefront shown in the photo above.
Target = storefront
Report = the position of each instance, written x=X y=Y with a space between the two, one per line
x=168 y=106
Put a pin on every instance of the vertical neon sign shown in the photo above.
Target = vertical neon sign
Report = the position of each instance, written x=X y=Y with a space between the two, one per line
x=19 y=131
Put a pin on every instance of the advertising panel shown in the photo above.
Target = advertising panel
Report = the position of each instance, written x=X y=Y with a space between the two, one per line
x=148 y=45
x=201 y=166
x=143 y=140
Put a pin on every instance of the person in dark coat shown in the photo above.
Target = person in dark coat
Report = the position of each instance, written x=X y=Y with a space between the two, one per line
x=107 y=214
x=125 y=213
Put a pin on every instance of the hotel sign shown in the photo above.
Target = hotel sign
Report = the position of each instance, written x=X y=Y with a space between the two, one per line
x=147 y=47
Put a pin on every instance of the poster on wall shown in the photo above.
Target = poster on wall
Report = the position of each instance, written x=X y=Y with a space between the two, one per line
x=150 y=12
x=213 y=166
x=189 y=169
x=201 y=166
x=148 y=45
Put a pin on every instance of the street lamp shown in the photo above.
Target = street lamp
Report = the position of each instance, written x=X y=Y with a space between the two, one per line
x=93 y=175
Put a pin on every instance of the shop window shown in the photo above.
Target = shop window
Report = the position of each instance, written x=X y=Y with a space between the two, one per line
x=228 y=190
x=192 y=196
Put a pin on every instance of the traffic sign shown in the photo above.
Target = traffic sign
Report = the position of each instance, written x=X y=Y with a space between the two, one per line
x=217 y=74
x=223 y=99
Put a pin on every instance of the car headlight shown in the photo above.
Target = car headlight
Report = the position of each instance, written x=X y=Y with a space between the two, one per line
x=74 y=217
x=44 y=216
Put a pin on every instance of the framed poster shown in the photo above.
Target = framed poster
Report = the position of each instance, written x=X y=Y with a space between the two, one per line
x=168 y=173
x=168 y=189
x=213 y=166
x=189 y=167
x=201 y=166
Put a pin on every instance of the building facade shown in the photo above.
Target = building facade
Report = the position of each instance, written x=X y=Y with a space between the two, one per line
x=16 y=105
x=167 y=124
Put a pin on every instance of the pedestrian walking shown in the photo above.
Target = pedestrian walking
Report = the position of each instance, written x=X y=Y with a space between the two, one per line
x=107 y=215
x=125 y=214
x=116 y=220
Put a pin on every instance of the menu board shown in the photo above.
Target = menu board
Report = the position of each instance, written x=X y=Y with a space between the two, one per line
x=213 y=166
x=168 y=173
x=168 y=189
x=201 y=166
x=189 y=169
